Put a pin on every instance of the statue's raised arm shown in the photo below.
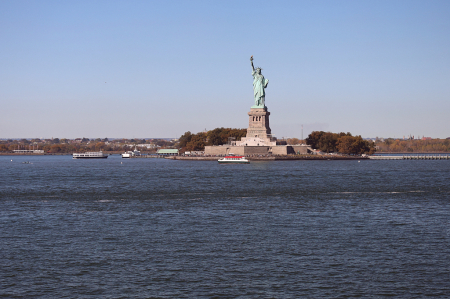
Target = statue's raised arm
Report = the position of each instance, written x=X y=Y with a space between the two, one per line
x=251 y=60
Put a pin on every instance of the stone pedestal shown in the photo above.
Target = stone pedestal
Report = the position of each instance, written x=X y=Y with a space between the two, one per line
x=258 y=123
x=258 y=132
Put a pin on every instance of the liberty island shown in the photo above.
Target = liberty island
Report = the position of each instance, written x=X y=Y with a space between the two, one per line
x=259 y=139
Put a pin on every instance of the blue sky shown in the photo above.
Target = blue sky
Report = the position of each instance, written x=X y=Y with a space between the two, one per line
x=139 y=69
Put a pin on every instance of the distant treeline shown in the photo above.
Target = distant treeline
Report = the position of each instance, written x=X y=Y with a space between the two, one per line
x=413 y=146
x=80 y=145
x=343 y=143
x=324 y=141
x=218 y=136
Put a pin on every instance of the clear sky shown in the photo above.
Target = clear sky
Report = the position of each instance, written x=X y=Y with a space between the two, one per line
x=140 y=69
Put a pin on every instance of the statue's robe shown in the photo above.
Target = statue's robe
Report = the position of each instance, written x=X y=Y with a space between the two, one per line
x=259 y=83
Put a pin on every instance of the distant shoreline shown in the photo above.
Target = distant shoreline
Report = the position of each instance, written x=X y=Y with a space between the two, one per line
x=288 y=157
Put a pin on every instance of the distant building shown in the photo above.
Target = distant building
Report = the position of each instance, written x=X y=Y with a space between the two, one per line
x=28 y=151
x=194 y=153
x=167 y=152
x=426 y=138
x=146 y=145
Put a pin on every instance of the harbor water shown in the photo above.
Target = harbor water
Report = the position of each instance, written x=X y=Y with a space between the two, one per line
x=157 y=228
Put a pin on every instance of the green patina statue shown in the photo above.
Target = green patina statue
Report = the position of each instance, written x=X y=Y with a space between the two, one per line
x=259 y=83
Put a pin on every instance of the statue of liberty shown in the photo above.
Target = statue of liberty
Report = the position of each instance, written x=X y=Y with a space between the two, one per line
x=259 y=83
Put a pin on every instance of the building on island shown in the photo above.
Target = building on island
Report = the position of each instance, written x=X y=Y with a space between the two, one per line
x=168 y=152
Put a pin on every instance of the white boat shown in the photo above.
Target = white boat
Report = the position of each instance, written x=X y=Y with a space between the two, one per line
x=130 y=154
x=127 y=154
x=90 y=155
x=232 y=158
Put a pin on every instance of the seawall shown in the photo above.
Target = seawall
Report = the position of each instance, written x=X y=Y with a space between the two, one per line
x=271 y=158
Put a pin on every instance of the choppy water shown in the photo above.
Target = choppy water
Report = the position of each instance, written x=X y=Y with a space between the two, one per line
x=153 y=228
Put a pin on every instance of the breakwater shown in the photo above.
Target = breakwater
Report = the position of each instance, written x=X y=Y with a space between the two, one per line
x=270 y=158
x=411 y=157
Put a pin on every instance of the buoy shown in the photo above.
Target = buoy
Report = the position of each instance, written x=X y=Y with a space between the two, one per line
x=359 y=161
x=120 y=162
x=11 y=160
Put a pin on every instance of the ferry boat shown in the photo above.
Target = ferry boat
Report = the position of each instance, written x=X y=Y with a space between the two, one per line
x=90 y=155
x=232 y=158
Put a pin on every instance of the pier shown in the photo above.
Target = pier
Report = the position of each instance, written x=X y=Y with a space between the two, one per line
x=411 y=157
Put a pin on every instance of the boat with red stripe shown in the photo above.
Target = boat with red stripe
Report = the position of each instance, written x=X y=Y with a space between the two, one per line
x=233 y=159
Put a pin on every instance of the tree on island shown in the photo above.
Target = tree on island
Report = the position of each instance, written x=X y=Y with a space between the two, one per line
x=355 y=145
x=218 y=136
x=343 y=143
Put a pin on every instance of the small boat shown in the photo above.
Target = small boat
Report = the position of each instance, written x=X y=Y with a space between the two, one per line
x=233 y=159
x=90 y=155
x=130 y=154
x=127 y=154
